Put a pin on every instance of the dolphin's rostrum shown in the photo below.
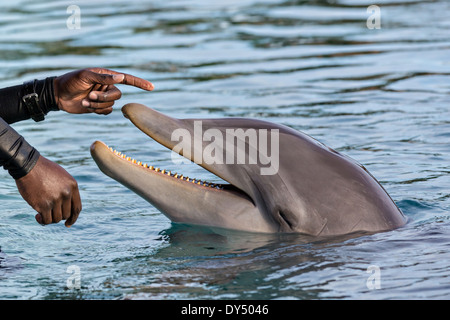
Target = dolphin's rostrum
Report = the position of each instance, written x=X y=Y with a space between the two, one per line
x=314 y=190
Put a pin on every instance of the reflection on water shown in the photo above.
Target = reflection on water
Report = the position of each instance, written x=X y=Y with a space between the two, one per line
x=380 y=96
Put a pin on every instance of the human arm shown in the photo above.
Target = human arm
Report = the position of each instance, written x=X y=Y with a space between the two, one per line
x=45 y=185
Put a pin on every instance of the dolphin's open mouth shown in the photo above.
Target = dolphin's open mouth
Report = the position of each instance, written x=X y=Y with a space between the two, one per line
x=181 y=198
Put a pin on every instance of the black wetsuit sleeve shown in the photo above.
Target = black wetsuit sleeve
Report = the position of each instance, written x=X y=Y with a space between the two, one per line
x=16 y=154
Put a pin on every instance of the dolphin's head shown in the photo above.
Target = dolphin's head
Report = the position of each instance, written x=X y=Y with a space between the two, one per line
x=280 y=180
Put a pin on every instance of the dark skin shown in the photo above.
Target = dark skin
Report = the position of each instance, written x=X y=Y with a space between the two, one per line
x=48 y=188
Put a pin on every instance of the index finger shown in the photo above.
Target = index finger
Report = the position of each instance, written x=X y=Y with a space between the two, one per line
x=137 y=82
x=128 y=79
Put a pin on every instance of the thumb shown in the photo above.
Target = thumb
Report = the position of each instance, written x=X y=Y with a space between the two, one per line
x=102 y=78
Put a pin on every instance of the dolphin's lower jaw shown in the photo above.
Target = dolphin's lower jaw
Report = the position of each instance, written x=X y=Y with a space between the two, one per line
x=181 y=199
x=317 y=191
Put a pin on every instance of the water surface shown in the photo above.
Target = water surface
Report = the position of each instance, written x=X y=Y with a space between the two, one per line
x=380 y=96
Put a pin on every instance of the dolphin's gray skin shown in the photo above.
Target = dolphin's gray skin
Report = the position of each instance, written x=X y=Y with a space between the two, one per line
x=316 y=190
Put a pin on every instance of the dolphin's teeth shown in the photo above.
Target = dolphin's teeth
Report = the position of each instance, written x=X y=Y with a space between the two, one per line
x=167 y=172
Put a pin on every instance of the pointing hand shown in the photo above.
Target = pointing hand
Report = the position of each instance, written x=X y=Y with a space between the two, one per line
x=93 y=89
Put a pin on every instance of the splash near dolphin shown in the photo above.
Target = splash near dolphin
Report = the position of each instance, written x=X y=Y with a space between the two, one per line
x=279 y=179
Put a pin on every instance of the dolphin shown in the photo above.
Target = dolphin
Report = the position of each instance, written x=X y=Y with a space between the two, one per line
x=310 y=189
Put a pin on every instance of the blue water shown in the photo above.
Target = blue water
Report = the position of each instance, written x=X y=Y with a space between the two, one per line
x=380 y=96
